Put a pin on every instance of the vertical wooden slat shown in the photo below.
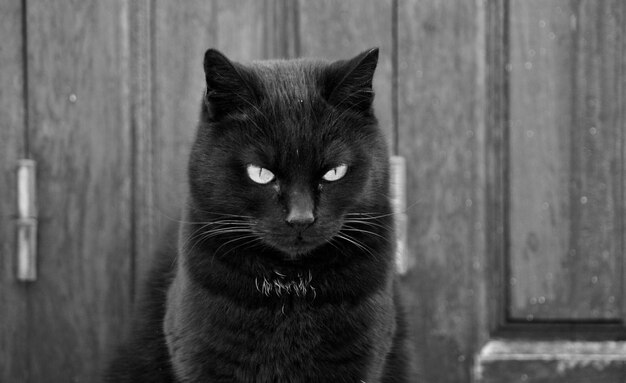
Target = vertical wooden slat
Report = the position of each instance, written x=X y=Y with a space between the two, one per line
x=180 y=36
x=566 y=191
x=281 y=29
x=441 y=93
x=80 y=137
x=253 y=30
x=13 y=294
x=140 y=85
x=621 y=223
x=496 y=159
x=341 y=29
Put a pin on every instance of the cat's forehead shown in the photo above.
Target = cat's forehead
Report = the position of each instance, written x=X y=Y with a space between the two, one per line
x=297 y=160
x=289 y=81
x=293 y=123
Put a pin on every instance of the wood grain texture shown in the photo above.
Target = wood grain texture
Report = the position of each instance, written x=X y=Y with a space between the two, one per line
x=14 y=336
x=551 y=362
x=280 y=29
x=550 y=371
x=496 y=161
x=441 y=53
x=335 y=30
x=80 y=137
x=177 y=88
x=566 y=159
x=142 y=122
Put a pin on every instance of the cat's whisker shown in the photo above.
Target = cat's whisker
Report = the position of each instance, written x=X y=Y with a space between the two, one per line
x=211 y=232
x=372 y=224
x=223 y=223
x=209 y=229
x=198 y=237
x=216 y=232
x=191 y=237
x=239 y=238
x=253 y=240
x=348 y=228
x=209 y=235
x=354 y=241
x=331 y=242
x=367 y=215
x=220 y=214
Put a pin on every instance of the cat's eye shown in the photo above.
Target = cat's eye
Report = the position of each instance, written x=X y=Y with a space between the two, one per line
x=336 y=173
x=260 y=175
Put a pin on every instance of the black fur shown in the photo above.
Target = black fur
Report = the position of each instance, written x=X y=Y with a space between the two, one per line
x=254 y=296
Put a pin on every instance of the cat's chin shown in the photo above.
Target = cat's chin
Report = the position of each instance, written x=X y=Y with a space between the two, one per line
x=296 y=252
x=296 y=249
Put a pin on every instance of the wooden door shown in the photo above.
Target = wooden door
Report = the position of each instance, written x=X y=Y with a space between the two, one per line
x=556 y=237
x=65 y=105
x=509 y=113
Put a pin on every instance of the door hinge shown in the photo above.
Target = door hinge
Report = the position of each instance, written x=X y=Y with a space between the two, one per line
x=398 y=204
x=26 y=221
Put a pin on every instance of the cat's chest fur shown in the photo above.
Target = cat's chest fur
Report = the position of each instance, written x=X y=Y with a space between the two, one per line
x=210 y=339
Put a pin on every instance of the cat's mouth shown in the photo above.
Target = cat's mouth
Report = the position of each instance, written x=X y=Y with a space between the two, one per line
x=299 y=246
x=295 y=245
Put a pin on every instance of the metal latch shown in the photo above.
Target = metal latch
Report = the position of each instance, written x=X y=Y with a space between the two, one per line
x=398 y=204
x=26 y=222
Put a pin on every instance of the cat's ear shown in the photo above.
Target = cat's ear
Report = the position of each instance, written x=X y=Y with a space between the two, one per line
x=348 y=83
x=229 y=86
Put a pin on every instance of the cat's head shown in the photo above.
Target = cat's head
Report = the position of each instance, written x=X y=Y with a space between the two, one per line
x=287 y=152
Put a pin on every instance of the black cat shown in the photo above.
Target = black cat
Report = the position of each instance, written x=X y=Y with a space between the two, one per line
x=284 y=265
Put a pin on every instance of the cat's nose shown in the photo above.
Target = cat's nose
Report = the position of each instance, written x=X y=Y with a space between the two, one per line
x=300 y=212
x=300 y=219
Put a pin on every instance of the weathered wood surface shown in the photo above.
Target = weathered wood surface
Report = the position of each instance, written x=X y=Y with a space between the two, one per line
x=79 y=134
x=113 y=99
x=551 y=362
x=567 y=159
x=342 y=29
x=14 y=338
x=441 y=95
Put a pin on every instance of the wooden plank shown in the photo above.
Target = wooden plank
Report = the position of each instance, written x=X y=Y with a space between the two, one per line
x=281 y=34
x=441 y=93
x=13 y=294
x=180 y=37
x=496 y=161
x=566 y=167
x=80 y=137
x=334 y=30
x=242 y=29
x=142 y=122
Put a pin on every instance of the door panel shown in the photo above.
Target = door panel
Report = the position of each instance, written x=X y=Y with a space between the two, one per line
x=555 y=92
x=440 y=94
x=566 y=160
x=79 y=134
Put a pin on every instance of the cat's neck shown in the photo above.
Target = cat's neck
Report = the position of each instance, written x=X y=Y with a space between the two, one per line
x=258 y=276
